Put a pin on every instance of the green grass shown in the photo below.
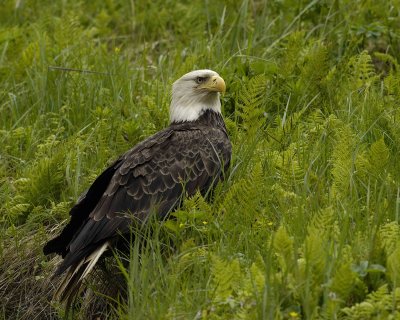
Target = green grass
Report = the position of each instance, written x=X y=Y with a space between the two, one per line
x=306 y=226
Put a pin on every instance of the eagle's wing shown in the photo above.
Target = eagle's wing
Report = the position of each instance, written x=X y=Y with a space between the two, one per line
x=80 y=211
x=152 y=176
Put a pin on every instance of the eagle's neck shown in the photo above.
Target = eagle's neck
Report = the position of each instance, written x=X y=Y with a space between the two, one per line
x=208 y=119
x=191 y=107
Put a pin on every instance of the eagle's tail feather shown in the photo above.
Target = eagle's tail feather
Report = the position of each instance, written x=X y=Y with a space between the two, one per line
x=72 y=281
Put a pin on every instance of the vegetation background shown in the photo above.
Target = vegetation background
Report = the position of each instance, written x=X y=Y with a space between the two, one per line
x=307 y=224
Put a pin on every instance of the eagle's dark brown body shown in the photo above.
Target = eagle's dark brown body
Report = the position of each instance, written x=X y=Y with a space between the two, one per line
x=180 y=160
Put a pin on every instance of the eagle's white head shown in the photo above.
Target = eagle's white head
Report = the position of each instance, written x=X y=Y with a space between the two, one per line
x=194 y=93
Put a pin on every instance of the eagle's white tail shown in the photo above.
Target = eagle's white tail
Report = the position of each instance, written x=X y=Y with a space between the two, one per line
x=70 y=285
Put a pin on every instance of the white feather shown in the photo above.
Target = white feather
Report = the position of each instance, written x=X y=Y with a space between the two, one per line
x=70 y=284
x=92 y=259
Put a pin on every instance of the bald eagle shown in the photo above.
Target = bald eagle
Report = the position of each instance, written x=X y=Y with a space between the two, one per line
x=190 y=155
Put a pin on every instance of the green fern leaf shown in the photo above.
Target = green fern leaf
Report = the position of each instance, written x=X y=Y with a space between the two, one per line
x=343 y=281
x=251 y=104
x=378 y=157
x=227 y=278
x=362 y=71
x=389 y=234
x=243 y=199
x=283 y=246
x=393 y=266
x=343 y=162
x=315 y=256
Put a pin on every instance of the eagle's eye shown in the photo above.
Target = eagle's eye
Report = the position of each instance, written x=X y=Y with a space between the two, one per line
x=200 y=80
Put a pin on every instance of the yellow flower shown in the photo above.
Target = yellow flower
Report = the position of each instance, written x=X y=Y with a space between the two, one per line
x=270 y=223
x=293 y=314
x=181 y=225
x=205 y=222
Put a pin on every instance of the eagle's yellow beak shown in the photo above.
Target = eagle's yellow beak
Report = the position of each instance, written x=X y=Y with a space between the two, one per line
x=215 y=83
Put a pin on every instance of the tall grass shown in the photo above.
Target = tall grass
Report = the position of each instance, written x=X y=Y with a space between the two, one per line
x=306 y=225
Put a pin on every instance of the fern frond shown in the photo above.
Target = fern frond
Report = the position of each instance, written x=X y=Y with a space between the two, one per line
x=242 y=199
x=226 y=278
x=289 y=171
x=252 y=104
x=380 y=304
x=362 y=71
x=393 y=266
x=343 y=162
x=378 y=157
x=389 y=235
x=343 y=280
x=284 y=250
x=315 y=257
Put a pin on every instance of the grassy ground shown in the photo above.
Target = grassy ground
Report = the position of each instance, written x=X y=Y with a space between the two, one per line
x=306 y=226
